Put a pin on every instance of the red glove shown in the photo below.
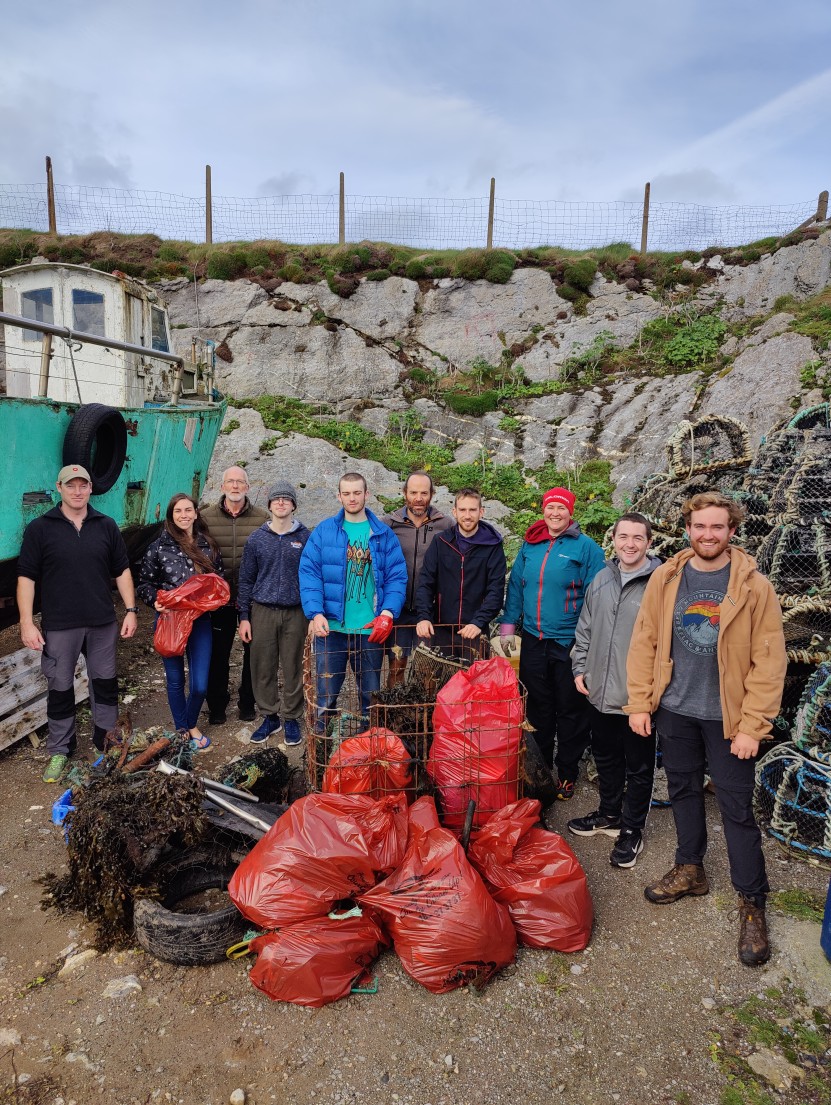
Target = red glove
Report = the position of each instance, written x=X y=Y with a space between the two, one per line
x=381 y=628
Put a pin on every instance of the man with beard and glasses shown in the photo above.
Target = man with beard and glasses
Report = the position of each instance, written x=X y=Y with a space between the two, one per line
x=707 y=661
x=231 y=521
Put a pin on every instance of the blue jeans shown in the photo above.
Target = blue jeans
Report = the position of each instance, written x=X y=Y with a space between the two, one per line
x=332 y=655
x=185 y=709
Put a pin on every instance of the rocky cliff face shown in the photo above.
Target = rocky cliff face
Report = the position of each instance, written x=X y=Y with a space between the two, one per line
x=302 y=340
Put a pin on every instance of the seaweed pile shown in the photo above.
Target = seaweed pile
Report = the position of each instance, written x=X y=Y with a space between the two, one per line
x=407 y=710
x=120 y=829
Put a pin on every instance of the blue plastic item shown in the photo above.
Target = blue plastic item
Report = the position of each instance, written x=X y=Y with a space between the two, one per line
x=825 y=934
x=61 y=807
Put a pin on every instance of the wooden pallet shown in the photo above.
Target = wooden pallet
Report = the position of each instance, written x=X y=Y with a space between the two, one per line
x=23 y=695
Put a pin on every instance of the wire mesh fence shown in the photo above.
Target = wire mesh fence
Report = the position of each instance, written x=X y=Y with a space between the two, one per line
x=424 y=223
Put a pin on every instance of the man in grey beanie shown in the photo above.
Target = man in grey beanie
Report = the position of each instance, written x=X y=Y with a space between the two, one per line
x=271 y=617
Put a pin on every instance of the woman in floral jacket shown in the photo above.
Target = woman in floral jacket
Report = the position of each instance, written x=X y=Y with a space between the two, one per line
x=184 y=548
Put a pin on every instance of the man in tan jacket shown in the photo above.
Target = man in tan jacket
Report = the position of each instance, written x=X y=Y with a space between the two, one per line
x=707 y=665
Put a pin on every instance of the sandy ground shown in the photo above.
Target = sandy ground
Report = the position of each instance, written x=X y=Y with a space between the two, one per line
x=633 y=1019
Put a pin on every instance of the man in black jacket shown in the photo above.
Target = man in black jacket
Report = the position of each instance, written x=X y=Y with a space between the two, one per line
x=74 y=553
x=462 y=582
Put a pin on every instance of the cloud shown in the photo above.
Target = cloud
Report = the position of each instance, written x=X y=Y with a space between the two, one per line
x=99 y=171
x=286 y=184
x=759 y=133
x=690 y=186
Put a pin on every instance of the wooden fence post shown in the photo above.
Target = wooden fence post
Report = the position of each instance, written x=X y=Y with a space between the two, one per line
x=50 y=197
x=209 y=213
x=645 y=220
x=342 y=213
x=490 y=213
x=822 y=207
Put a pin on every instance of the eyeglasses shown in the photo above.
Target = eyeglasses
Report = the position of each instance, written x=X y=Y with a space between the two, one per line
x=282 y=499
x=243 y=483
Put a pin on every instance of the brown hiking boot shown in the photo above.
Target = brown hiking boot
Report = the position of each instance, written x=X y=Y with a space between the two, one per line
x=754 y=949
x=683 y=879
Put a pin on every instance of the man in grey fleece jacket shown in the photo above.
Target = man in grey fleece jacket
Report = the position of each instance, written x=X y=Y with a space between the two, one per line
x=625 y=761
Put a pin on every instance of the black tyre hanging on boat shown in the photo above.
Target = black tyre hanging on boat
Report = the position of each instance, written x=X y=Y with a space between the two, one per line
x=97 y=440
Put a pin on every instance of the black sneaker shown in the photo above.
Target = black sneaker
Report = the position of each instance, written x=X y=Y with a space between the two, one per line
x=627 y=849
x=593 y=823
x=217 y=718
x=247 y=715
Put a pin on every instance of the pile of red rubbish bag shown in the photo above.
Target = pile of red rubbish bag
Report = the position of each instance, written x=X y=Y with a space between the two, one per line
x=340 y=877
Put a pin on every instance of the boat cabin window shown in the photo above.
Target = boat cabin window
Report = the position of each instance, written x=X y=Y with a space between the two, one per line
x=87 y=311
x=159 y=336
x=36 y=304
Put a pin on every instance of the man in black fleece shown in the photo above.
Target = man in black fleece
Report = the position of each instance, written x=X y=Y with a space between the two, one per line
x=462 y=580
x=271 y=616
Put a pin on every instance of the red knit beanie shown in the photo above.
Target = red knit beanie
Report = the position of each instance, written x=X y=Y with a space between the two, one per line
x=559 y=495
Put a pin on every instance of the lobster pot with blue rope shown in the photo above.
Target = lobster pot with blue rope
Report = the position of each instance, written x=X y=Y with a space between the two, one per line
x=793 y=802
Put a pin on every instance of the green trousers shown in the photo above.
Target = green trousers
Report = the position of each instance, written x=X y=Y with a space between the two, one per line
x=277 y=638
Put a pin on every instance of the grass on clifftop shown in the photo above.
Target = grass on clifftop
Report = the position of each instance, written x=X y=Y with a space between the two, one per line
x=270 y=263
x=402 y=450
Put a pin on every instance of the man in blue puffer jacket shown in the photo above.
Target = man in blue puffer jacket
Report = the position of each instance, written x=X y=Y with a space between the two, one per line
x=548 y=582
x=353 y=582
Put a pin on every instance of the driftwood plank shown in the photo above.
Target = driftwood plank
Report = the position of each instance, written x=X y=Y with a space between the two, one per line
x=23 y=697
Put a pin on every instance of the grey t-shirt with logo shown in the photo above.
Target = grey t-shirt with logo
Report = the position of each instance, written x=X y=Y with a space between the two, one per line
x=694 y=688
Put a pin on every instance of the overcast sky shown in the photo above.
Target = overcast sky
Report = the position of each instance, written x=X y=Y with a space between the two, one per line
x=714 y=101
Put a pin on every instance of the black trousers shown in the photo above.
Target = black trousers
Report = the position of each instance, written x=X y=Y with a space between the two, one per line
x=224 y=632
x=556 y=708
x=686 y=743
x=625 y=768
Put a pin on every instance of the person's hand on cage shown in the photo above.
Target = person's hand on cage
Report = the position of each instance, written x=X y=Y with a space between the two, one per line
x=470 y=632
x=319 y=626
x=425 y=629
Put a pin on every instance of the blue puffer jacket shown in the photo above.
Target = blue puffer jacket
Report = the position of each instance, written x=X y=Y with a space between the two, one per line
x=323 y=569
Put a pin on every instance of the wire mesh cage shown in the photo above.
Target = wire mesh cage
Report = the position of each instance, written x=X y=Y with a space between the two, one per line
x=707 y=445
x=792 y=801
x=812 y=721
x=414 y=729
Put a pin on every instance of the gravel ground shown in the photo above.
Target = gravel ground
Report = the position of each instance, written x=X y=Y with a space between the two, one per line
x=633 y=1019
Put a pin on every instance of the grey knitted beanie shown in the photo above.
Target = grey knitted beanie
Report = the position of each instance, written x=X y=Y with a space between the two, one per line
x=282 y=489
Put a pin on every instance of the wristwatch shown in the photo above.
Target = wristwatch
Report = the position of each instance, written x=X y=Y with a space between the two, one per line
x=131 y=610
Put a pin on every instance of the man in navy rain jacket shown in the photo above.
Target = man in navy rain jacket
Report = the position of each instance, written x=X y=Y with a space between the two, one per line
x=462 y=581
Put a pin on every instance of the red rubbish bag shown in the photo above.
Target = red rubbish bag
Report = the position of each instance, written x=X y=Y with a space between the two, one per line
x=325 y=848
x=475 y=751
x=446 y=928
x=375 y=763
x=537 y=876
x=315 y=962
x=182 y=606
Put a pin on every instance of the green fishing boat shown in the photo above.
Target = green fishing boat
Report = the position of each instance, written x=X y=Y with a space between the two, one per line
x=91 y=378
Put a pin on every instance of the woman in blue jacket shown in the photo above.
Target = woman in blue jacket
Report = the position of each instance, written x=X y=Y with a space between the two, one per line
x=548 y=582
